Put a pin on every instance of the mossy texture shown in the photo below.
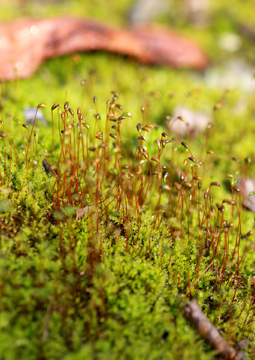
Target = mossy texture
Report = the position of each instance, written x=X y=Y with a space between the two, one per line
x=111 y=284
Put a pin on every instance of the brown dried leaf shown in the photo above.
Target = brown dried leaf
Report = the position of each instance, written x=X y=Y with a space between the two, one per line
x=81 y=212
x=26 y=43
x=164 y=46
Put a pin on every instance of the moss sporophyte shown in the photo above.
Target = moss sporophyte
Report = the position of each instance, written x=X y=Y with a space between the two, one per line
x=110 y=230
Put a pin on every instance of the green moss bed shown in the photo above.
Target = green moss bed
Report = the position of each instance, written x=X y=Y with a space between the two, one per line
x=162 y=219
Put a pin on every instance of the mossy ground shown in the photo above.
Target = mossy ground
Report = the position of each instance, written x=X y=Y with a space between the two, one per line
x=75 y=289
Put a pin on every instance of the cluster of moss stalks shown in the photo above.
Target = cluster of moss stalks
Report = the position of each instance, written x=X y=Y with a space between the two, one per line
x=106 y=233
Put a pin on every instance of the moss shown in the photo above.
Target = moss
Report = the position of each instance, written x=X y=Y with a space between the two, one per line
x=111 y=284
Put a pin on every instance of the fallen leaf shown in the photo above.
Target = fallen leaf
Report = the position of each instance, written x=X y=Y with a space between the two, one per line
x=81 y=212
x=26 y=43
x=164 y=46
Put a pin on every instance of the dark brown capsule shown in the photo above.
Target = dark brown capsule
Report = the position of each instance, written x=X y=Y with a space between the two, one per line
x=71 y=111
x=54 y=106
x=215 y=183
x=94 y=99
x=185 y=144
x=236 y=188
x=145 y=155
x=66 y=105
x=229 y=202
x=212 y=208
x=192 y=158
x=249 y=233
x=139 y=127
x=99 y=137
x=142 y=138
x=164 y=135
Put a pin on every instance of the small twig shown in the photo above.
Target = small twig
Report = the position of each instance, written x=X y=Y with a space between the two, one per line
x=206 y=329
